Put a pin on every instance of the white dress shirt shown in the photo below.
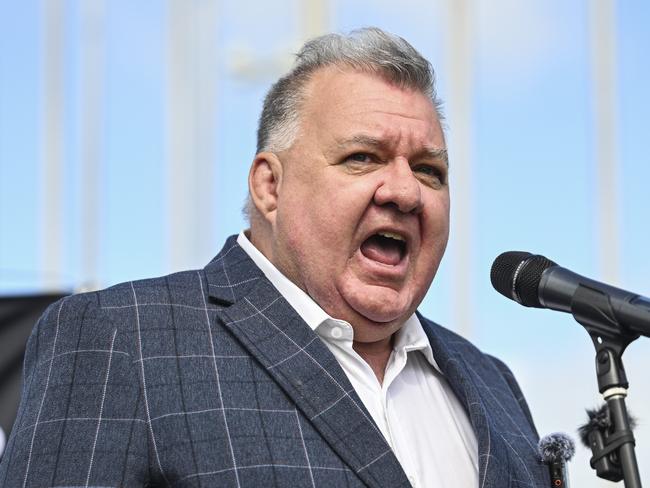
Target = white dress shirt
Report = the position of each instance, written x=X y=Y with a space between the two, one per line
x=415 y=408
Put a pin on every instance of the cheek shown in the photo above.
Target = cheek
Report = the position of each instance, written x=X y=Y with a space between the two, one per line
x=322 y=214
x=304 y=231
x=334 y=208
x=436 y=213
x=436 y=228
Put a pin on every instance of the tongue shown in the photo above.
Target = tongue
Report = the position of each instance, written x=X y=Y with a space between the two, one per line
x=381 y=249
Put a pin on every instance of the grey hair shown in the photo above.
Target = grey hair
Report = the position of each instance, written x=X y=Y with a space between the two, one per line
x=369 y=50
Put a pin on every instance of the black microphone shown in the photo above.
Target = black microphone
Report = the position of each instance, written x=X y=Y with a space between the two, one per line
x=556 y=450
x=535 y=281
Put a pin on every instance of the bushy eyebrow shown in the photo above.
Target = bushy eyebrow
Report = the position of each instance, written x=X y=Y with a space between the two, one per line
x=368 y=141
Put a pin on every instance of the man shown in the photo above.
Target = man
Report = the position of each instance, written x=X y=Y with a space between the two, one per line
x=296 y=357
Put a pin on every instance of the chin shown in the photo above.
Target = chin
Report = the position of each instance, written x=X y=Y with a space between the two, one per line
x=384 y=315
x=378 y=304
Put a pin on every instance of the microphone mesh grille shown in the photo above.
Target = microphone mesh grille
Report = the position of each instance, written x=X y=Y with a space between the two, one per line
x=528 y=278
x=503 y=272
x=516 y=275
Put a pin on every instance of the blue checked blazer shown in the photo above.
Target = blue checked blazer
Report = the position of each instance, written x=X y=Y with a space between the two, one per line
x=209 y=378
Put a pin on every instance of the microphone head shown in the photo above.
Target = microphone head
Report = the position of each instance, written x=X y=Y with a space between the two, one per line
x=516 y=275
x=556 y=448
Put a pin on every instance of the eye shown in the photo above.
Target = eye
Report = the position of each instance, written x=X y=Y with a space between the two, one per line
x=360 y=157
x=431 y=173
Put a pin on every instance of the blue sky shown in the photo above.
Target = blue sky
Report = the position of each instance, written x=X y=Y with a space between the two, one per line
x=532 y=180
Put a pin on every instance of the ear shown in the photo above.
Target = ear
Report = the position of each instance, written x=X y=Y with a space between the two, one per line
x=264 y=181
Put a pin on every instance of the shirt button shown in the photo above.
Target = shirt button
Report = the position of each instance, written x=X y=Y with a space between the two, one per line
x=336 y=332
x=412 y=480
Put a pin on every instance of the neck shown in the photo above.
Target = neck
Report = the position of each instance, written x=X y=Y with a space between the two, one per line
x=376 y=354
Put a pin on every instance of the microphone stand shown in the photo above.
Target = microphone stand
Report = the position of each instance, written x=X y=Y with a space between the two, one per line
x=613 y=457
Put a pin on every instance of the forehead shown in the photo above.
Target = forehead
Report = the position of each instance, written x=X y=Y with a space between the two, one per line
x=342 y=102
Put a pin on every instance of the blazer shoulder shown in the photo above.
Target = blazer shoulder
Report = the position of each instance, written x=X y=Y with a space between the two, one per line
x=182 y=288
x=87 y=321
x=71 y=324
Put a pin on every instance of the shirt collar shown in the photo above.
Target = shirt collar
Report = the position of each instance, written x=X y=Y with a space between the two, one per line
x=410 y=337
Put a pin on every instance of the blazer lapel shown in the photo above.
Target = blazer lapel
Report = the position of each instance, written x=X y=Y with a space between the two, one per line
x=296 y=358
x=493 y=465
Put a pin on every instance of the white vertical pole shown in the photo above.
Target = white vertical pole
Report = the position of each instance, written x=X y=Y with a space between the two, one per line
x=459 y=101
x=92 y=63
x=205 y=100
x=602 y=15
x=315 y=17
x=180 y=128
x=52 y=146
x=190 y=122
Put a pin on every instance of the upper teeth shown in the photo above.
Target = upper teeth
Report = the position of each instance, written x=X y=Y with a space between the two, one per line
x=390 y=235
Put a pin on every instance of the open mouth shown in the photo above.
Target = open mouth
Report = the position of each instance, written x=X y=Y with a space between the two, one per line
x=385 y=247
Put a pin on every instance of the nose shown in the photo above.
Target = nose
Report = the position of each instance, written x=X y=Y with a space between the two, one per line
x=399 y=187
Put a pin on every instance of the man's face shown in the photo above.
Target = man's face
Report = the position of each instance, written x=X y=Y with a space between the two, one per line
x=362 y=214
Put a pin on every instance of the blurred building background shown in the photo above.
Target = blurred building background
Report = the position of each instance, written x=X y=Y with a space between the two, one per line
x=127 y=130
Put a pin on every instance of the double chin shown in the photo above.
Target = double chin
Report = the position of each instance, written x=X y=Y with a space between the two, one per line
x=375 y=302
